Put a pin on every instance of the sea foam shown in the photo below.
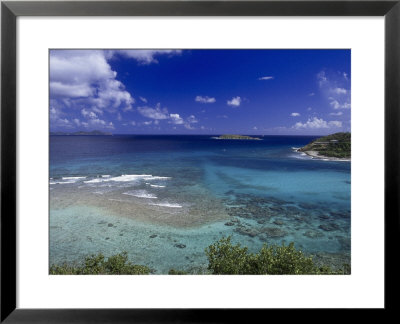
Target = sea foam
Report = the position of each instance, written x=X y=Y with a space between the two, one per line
x=140 y=194
x=73 y=178
x=127 y=178
x=168 y=205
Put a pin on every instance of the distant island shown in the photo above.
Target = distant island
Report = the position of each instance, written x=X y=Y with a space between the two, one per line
x=335 y=147
x=236 y=137
x=80 y=133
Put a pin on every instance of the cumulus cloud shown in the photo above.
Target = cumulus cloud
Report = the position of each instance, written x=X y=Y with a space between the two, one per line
x=266 y=78
x=83 y=79
x=317 y=123
x=59 y=89
x=295 y=114
x=235 y=101
x=142 y=56
x=143 y=99
x=57 y=117
x=176 y=119
x=77 y=121
x=154 y=113
x=88 y=114
x=205 y=99
x=158 y=114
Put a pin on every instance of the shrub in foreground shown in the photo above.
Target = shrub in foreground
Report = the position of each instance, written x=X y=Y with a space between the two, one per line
x=226 y=258
x=97 y=265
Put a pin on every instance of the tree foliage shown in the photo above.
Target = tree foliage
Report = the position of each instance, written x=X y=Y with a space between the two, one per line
x=223 y=258
x=226 y=258
x=97 y=265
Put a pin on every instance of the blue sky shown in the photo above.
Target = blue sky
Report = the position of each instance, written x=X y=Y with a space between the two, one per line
x=282 y=92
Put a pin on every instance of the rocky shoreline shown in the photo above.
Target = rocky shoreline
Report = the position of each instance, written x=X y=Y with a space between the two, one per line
x=316 y=155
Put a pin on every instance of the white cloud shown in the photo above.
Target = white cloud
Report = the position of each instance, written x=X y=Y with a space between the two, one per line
x=346 y=105
x=205 y=99
x=142 y=56
x=335 y=123
x=317 y=123
x=266 y=78
x=335 y=104
x=83 y=79
x=309 y=109
x=311 y=94
x=143 y=99
x=100 y=123
x=188 y=126
x=158 y=114
x=88 y=114
x=322 y=79
x=192 y=119
x=339 y=113
x=154 y=113
x=335 y=88
x=295 y=114
x=255 y=128
x=339 y=91
x=60 y=89
x=57 y=117
x=77 y=122
x=176 y=119
x=235 y=101
x=97 y=110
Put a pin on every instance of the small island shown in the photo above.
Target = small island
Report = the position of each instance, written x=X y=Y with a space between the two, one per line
x=334 y=147
x=236 y=137
x=83 y=133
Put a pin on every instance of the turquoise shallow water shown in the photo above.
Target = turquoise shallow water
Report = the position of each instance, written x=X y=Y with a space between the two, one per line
x=164 y=199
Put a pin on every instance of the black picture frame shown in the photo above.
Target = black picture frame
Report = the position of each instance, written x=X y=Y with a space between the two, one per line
x=9 y=13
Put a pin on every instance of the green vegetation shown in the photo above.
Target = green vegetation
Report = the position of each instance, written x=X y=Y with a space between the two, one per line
x=97 y=265
x=225 y=258
x=237 y=137
x=337 y=145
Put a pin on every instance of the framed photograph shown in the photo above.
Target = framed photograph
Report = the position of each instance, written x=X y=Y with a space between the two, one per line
x=160 y=159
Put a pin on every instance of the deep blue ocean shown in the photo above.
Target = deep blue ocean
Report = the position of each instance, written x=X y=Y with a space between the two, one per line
x=164 y=199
